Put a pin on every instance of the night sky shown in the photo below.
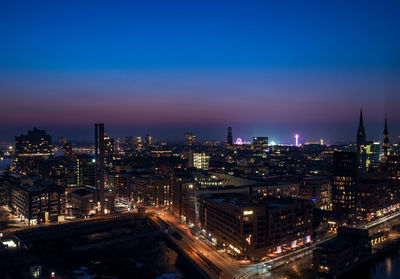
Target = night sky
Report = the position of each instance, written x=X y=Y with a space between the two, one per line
x=270 y=68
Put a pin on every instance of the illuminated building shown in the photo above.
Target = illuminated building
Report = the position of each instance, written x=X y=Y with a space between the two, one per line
x=83 y=204
x=344 y=179
x=375 y=153
x=318 y=190
x=39 y=202
x=376 y=197
x=255 y=227
x=108 y=146
x=260 y=142
x=148 y=140
x=229 y=138
x=201 y=161
x=296 y=137
x=35 y=143
x=385 y=143
x=85 y=170
x=153 y=190
x=139 y=143
x=99 y=166
x=190 y=139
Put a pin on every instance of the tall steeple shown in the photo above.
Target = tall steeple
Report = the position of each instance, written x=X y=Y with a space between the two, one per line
x=385 y=142
x=361 y=140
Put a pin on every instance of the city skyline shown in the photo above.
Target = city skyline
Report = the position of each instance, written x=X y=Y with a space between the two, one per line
x=265 y=68
x=174 y=133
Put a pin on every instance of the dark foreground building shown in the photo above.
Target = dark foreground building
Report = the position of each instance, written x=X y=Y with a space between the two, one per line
x=350 y=248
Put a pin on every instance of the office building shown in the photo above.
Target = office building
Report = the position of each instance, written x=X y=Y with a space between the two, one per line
x=201 y=161
x=255 y=227
x=38 y=202
x=35 y=143
x=343 y=188
x=85 y=170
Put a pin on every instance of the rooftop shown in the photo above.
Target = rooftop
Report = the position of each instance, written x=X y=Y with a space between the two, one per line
x=249 y=201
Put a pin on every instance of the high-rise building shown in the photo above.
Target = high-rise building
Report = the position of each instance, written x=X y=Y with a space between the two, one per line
x=190 y=139
x=148 y=140
x=85 y=166
x=260 y=142
x=343 y=186
x=35 y=143
x=108 y=146
x=99 y=167
x=385 y=142
x=139 y=143
x=229 y=138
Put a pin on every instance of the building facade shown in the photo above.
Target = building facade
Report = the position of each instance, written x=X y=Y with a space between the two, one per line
x=255 y=227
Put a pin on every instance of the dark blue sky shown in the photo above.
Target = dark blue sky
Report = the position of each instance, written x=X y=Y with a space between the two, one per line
x=267 y=67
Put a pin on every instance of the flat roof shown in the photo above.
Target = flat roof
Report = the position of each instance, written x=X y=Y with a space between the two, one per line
x=250 y=201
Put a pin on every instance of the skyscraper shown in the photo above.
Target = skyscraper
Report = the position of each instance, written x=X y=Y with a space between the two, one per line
x=343 y=186
x=385 y=142
x=99 y=167
x=229 y=138
x=86 y=168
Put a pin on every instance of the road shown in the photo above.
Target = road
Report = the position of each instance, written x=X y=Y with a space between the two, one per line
x=232 y=268
x=226 y=264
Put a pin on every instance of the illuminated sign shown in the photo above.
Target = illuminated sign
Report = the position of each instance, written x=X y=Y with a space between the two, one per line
x=248 y=212
x=248 y=239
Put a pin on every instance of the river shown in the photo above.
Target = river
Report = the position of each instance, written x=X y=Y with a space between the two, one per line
x=388 y=268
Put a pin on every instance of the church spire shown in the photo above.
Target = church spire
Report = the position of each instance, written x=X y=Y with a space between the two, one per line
x=385 y=142
x=385 y=131
x=361 y=131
